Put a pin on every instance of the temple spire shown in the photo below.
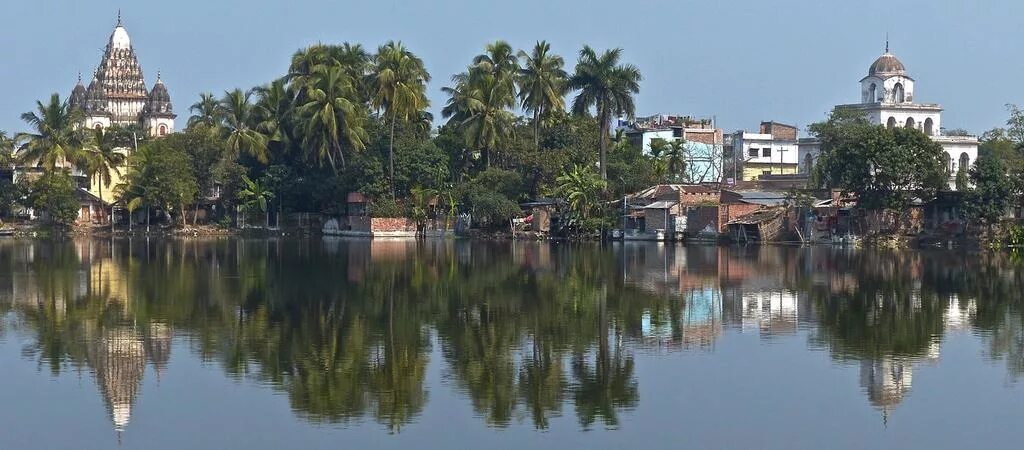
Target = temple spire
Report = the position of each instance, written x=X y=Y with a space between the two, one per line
x=119 y=17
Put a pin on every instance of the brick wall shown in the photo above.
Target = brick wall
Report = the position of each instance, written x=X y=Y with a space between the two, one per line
x=697 y=198
x=779 y=131
x=708 y=136
x=655 y=219
x=391 y=224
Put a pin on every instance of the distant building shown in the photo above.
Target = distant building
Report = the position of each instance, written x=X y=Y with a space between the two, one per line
x=771 y=151
x=704 y=142
x=887 y=98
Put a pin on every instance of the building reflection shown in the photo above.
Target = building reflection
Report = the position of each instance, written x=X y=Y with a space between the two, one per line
x=523 y=331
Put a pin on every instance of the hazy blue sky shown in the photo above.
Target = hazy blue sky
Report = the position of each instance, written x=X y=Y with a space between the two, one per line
x=742 y=61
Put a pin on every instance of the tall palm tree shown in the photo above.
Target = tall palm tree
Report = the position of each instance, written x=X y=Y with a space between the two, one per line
x=238 y=114
x=332 y=115
x=489 y=122
x=606 y=85
x=456 y=109
x=102 y=159
x=542 y=81
x=274 y=110
x=206 y=111
x=357 y=64
x=57 y=138
x=498 y=59
x=399 y=89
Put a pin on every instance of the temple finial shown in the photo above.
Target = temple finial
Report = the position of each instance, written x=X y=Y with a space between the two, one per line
x=119 y=17
x=79 y=77
x=887 y=42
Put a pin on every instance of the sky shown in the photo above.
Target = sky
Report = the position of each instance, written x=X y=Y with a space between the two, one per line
x=738 y=61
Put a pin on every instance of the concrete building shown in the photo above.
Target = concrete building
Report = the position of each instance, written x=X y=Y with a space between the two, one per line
x=703 y=142
x=887 y=98
x=771 y=151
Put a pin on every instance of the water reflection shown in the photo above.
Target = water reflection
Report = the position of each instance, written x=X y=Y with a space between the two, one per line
x=524 y=332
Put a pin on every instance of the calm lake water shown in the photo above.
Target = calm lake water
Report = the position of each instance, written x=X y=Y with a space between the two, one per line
x=391 y=344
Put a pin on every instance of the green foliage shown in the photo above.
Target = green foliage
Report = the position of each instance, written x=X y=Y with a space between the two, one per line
x=490 y=197
x=885 y=168
x=386 y=207
x=582 y=188
x=160 y=176
x=990 y=196
x=57 y=139
x=54 y=194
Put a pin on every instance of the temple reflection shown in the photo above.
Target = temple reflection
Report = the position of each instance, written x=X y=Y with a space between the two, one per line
x=523 y=331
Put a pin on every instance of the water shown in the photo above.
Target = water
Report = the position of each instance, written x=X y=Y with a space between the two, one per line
x=320 y=344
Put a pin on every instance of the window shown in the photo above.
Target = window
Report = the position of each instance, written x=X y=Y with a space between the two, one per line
x=766 y=152
x=911 y=123
x=163 y=130
x=753 y=152
x=929 y=126
x=99 y=127
x=891 y=123
x=872 y=93
x=897 y=93
x=766 y=172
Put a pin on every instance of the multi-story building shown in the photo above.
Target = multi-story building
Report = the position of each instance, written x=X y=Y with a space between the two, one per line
x=703 y=142
x=887 y=98
x=771 y=151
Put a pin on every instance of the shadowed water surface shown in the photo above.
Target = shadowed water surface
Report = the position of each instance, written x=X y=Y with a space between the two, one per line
x=394 y=344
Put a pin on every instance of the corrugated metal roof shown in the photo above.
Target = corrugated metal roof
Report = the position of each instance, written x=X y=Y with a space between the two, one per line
x=665 y=204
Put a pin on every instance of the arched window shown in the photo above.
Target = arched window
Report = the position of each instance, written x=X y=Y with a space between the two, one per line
x=911 y=123
x=808 y=163
x=929 y=126
x=99 y=126
x=965 y=162
x=872 y=93
x=162 y=131
x=949 y=164
x=891 y=123
x=897 y=93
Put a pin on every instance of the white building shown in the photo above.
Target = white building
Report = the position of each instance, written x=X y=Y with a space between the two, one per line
x=887 y=98
x=703 y=142
x=118 y=94
x=771 y=151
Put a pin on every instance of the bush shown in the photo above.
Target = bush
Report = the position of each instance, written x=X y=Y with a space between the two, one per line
x=492 y=210
x=386 y=207
x=54 y=193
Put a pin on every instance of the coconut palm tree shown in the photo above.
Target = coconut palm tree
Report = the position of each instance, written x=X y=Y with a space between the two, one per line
x=332 y=116
x=255 y=196
x=500 y=60
x=274 y=113
x=206 y=111
x=456 y=109
x=399 y=89
x=57 y=138
x=239 y=114
x=542 y=81
x=103 y=158
x=6 y=149
x=606 y=85
x=489 y=122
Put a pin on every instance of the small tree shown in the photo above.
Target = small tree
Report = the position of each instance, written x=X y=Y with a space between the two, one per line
x=991 y=195
x=582 y=188
x=255 y=196
x=54 y=193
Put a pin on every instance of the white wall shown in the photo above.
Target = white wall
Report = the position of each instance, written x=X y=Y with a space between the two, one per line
x=783 y=152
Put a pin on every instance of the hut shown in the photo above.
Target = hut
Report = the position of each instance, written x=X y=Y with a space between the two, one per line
x=763 y=225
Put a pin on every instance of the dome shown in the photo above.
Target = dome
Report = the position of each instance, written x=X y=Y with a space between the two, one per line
x=159 y=101
x=887 y=64
x=78 y=95
x=119 y=38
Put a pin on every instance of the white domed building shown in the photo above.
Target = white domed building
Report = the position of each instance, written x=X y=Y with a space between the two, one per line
x=117 y=94
x=887 y=98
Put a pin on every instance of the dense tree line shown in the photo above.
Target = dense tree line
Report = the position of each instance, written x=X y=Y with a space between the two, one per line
x=344 y=119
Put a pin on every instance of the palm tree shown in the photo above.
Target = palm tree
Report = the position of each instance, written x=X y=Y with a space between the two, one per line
x=102 y=158
x=206 y=111
x=238 y=115
x=582 y=188
x=456 y=109
x=542 y=81
x=273 y=113
x=606 y=85
x=6 y=149
x=500 y=60
x=489 y=122
x=332 y=115
x=399 y=85
x=255 y=196
x=57 y=138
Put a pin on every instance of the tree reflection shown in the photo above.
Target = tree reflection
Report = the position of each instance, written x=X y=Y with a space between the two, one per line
x=347 y=329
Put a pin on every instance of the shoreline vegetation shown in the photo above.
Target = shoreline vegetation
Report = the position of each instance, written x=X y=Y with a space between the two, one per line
x=516 y=126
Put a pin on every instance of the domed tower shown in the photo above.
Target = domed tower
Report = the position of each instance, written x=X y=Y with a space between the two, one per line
x=96 y=105
x=121 y=77
x=158 y=114
x=77 y=99
x=887 y=81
